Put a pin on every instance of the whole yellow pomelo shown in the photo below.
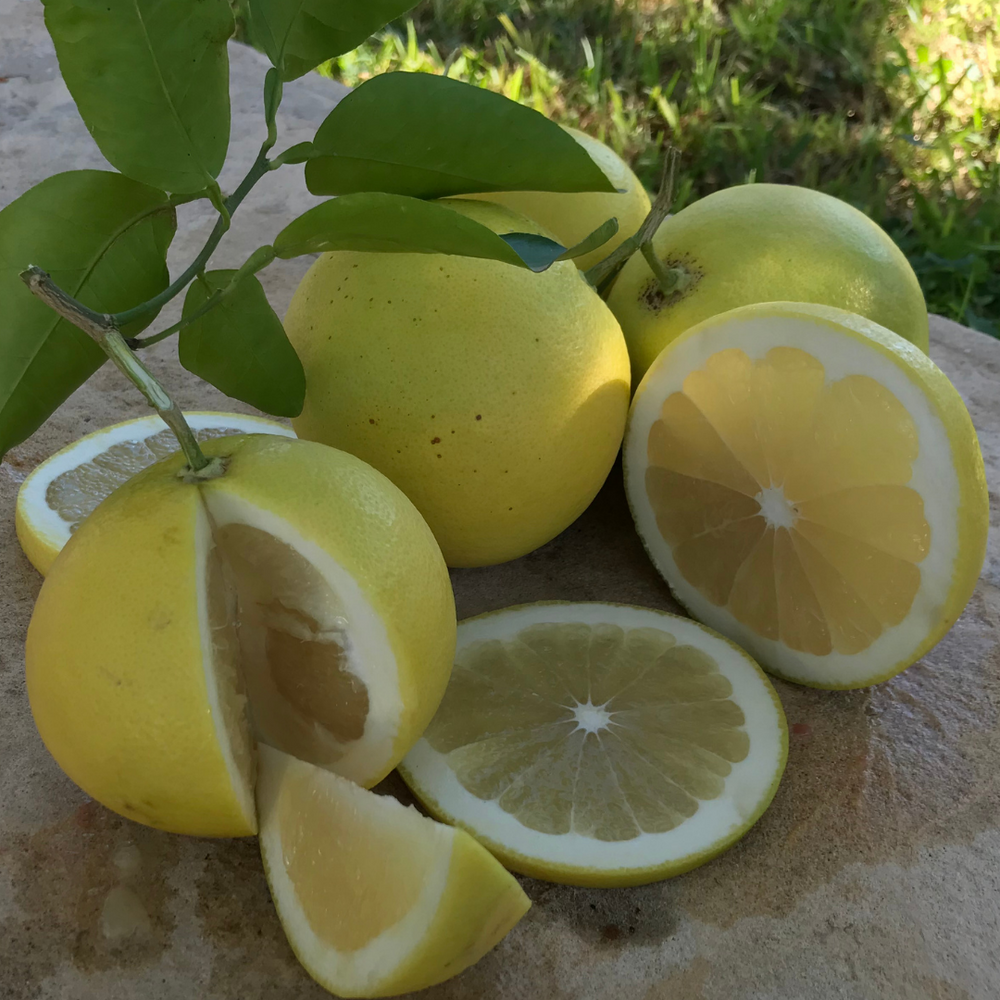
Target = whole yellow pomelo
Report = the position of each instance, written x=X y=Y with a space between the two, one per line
x=572 y=216
x=495 y=398
x=300 y=580
x=766 y=243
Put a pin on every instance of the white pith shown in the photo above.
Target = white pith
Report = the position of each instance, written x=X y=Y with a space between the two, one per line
x=747 y=788
x=49 y=524
x=243 y=790
x=360 y=971
x=934 y=477
x=370 y=656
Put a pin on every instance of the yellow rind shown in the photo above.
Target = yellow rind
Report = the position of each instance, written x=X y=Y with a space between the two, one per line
x=39 y=549
x=115 y=670
x=480 y=904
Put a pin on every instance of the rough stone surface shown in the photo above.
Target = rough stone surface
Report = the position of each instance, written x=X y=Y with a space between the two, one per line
x=875 y=873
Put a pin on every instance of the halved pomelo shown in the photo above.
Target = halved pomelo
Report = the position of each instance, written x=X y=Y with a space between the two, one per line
x=301 y=581
x=809 y=484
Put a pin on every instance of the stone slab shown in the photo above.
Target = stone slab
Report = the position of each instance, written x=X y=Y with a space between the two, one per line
x=875 y=874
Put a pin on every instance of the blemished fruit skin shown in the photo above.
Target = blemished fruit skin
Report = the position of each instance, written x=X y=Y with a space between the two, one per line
x=572 y=216
x=495 y=398
x=115 y=666
x=766 y=243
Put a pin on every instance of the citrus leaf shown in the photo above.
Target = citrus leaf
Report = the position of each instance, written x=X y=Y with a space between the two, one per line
x=151 y=81
x=393 y=223
x=298 y=35
x=104 y=239
x=240 y=346
x=436 y=137
x=540 y=253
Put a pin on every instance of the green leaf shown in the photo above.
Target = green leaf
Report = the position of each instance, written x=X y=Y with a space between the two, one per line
x=298 y=35
x=392 y=223
x=240 y=346
x=428 y=136
x=104 y=239
x=540 y=253
x=151 y=80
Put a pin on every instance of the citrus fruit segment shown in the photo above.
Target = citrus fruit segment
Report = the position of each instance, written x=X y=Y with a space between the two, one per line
x=810 y=485
x=64 y=489
x=375 y=899
x=299 y=599
x=573 y=216
x=599 y=744
x=760 y=243
x=494 y=398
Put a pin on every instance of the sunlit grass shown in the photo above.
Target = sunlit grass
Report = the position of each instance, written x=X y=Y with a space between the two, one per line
x=892 y=106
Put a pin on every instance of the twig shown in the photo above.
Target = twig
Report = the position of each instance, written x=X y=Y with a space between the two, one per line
x=259 y=168
x=102 y=328
x=258 y=260
x=604 y=270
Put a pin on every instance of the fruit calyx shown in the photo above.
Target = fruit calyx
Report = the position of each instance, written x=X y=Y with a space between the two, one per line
x=213 y=469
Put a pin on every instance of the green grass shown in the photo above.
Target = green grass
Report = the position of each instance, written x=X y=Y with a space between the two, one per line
x=892 y=106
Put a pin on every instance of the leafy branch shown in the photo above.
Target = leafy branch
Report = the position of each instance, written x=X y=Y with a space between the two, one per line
x=150 y=79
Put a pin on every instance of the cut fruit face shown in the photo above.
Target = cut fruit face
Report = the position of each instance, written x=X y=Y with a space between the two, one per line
x=375 y=898
x=53 y=501
x=810 y=485
x=321 y=675
x=599 y=744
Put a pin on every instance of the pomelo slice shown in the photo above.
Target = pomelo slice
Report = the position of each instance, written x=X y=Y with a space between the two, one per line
x=599 y=744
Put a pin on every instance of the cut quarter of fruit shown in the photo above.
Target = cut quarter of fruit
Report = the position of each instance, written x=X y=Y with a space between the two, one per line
x=375 y=899
x=53 y=501
x=809 y=484
x=600 y=744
